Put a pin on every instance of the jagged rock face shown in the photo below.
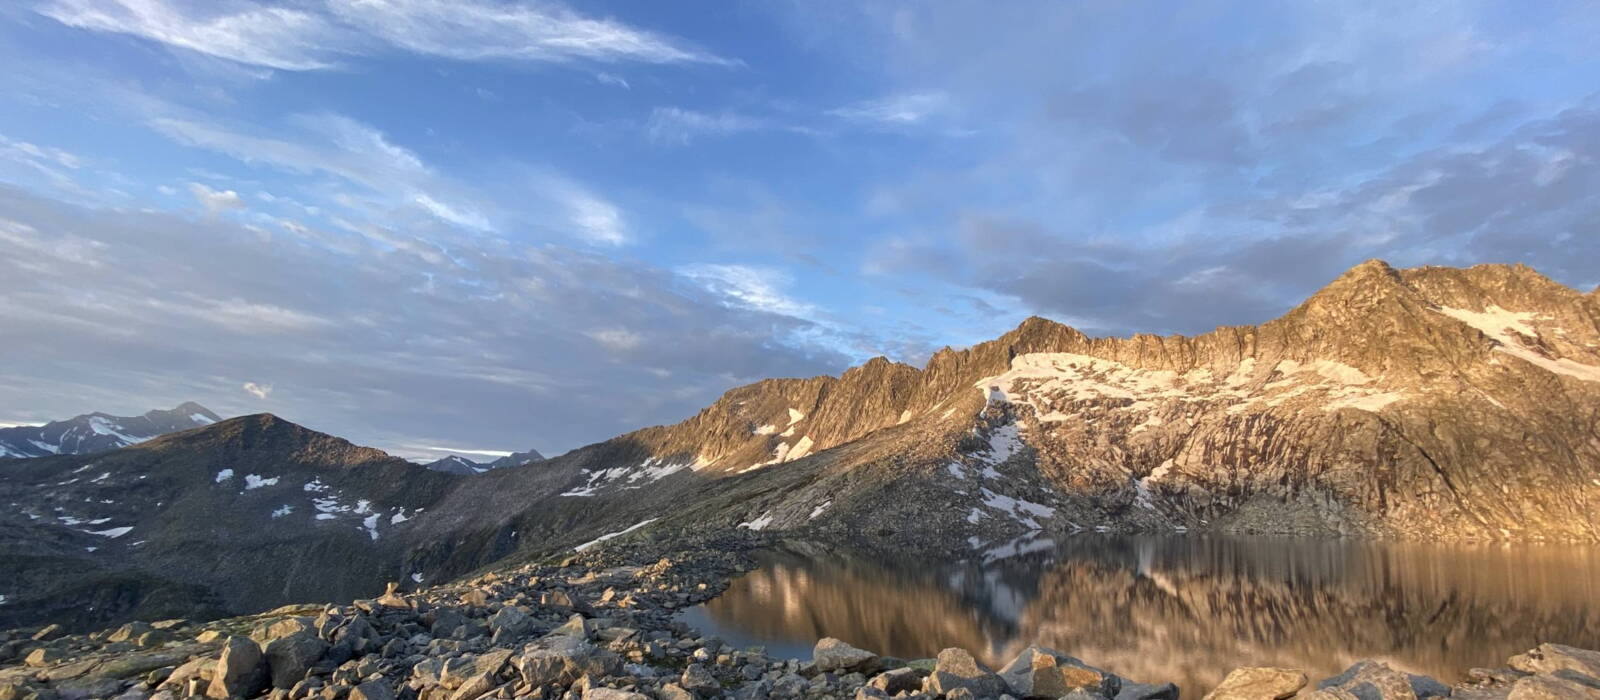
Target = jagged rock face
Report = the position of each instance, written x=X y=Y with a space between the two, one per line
x=1432 y=402
x=99 y=432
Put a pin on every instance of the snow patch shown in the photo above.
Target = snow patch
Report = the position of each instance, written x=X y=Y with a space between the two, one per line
x=760 y=523
x=282 y=511
x=612 y=535
x=255 y=481
x=819 y=510
x=200 y=420
x=371 y=526
x=1509 y=329
x=765 y=430
x=224 y=475
x=417 y=578
x=795 y=416
x=113 y=533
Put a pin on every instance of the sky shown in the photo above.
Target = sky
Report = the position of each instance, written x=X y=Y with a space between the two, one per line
x=494 y=225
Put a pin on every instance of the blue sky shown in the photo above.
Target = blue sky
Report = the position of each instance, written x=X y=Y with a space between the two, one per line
x=496 y=225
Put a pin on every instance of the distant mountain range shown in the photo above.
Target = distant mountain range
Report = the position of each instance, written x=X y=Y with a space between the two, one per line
x=1430 y=403
x=98 y=432
x=456 y=464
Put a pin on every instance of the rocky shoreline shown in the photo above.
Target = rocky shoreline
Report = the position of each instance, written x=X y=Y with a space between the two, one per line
x=601 y=626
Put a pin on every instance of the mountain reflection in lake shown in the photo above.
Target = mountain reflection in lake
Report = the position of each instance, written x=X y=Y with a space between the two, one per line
x=1182 y=609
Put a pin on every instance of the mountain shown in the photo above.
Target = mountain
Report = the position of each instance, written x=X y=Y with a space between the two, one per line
x=98 y=432
x=1428 y=403
x=456 y=464
x=248 y=513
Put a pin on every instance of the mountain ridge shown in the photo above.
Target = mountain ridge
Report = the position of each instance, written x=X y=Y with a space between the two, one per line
x=98 y=432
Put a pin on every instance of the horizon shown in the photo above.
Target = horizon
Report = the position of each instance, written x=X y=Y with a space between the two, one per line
x=501 y=226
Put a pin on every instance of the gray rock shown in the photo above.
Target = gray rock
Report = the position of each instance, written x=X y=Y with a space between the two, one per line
x=834 y=655
x=611 y=694
x=1371 y=680
x=289 y=657
x=372 y=690
x=956 y=669
x=44 y=656
x=49 y=632
x=1145 y=691
x=475 y=687
x=699 y=680
x=1039 y=672
x=1259 y=683
x=129 y=632
x=1563 y=686
x=561 y=660
x=897 y=681
x=673 y=691
x=1549 y=658
x=575 y=626
x=511 y=621
x=241 y=670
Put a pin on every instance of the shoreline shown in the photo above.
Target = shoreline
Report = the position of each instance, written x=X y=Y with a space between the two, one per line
x=602 y=625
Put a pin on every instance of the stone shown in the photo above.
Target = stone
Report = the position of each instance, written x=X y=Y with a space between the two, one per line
x=575 y=626
x=129 y=632
x=1146 y=691
x=1038 y=672
x=561 y=660
x=372 y=690
x=283 y=627
x=445 y=622
x=611 y=694
x=241 y=670
x=475 y=687
x=957 y=669
x=673 y=691
x=1259 y=683
x=699 y=680
x=1372 y=680
x=43 y=656
x=391 y=597
x=289 y=657
x=868 y=692
x=48 y=632
x=1556 y=686
x=834 y=655
x=1550 y=658
x=209 y=636
x=897 y=681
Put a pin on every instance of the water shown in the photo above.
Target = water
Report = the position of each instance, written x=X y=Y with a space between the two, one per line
x=1185 y=609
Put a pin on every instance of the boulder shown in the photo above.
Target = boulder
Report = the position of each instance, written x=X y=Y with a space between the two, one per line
x=698 y=680
x=372 y=690
x=1550 y=658
x=43 y=656
x=289 y=657
x=673 y=691
x=475 y=687
x=241 y=670
x=834 y=655
x=1145 y=691
x=1556 y=686
x=282 y=627
x=1372 y=680
x=445 y=622
x=896 y=681
x=575 y=626
x=956 y=669
x=49 y=632
x=560 y=660
x=510 y=621
x=1258 y=683
x=611 y=694
x=1045 y=673
x=129 y=632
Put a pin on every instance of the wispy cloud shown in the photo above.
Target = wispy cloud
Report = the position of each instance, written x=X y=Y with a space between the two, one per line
x=677 y=126
x=895 y=110
x=260 y=391
x=320 y=36
x=749 y=286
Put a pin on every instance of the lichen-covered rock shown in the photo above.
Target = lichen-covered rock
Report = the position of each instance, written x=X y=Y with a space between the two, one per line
x=290 y=656
x=1550 y=658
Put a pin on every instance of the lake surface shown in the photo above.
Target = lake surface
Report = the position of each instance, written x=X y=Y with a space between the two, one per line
x=1185 y=609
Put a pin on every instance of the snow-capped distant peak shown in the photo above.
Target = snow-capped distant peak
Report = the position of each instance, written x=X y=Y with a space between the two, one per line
x=99 y=432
